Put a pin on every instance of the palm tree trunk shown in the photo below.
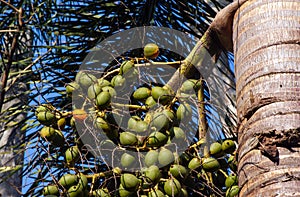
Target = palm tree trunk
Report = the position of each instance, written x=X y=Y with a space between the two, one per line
x=13 y=114
x=11 y=157
x=266 y=38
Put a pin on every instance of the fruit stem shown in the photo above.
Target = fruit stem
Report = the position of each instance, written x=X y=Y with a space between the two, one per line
x=198 y=143
x=111 y=72
x=210 y=180
x=131 y=106
x=101 y=174
x=205 y=175
x=201 y=111
x=137 y=59
x=206 y=151
x=173 y=100
x=174 y=64
x=163 y=180
x=224 y=173
x=93 y=183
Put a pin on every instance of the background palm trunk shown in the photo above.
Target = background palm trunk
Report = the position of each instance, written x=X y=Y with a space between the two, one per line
x=13 y=116
x=267 y=58
x=11 y=157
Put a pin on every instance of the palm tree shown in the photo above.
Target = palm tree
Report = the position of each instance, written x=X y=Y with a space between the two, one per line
x=63 y=33
x=266 y=37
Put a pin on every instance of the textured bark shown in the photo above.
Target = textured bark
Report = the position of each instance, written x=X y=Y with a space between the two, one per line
x=266 y=38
